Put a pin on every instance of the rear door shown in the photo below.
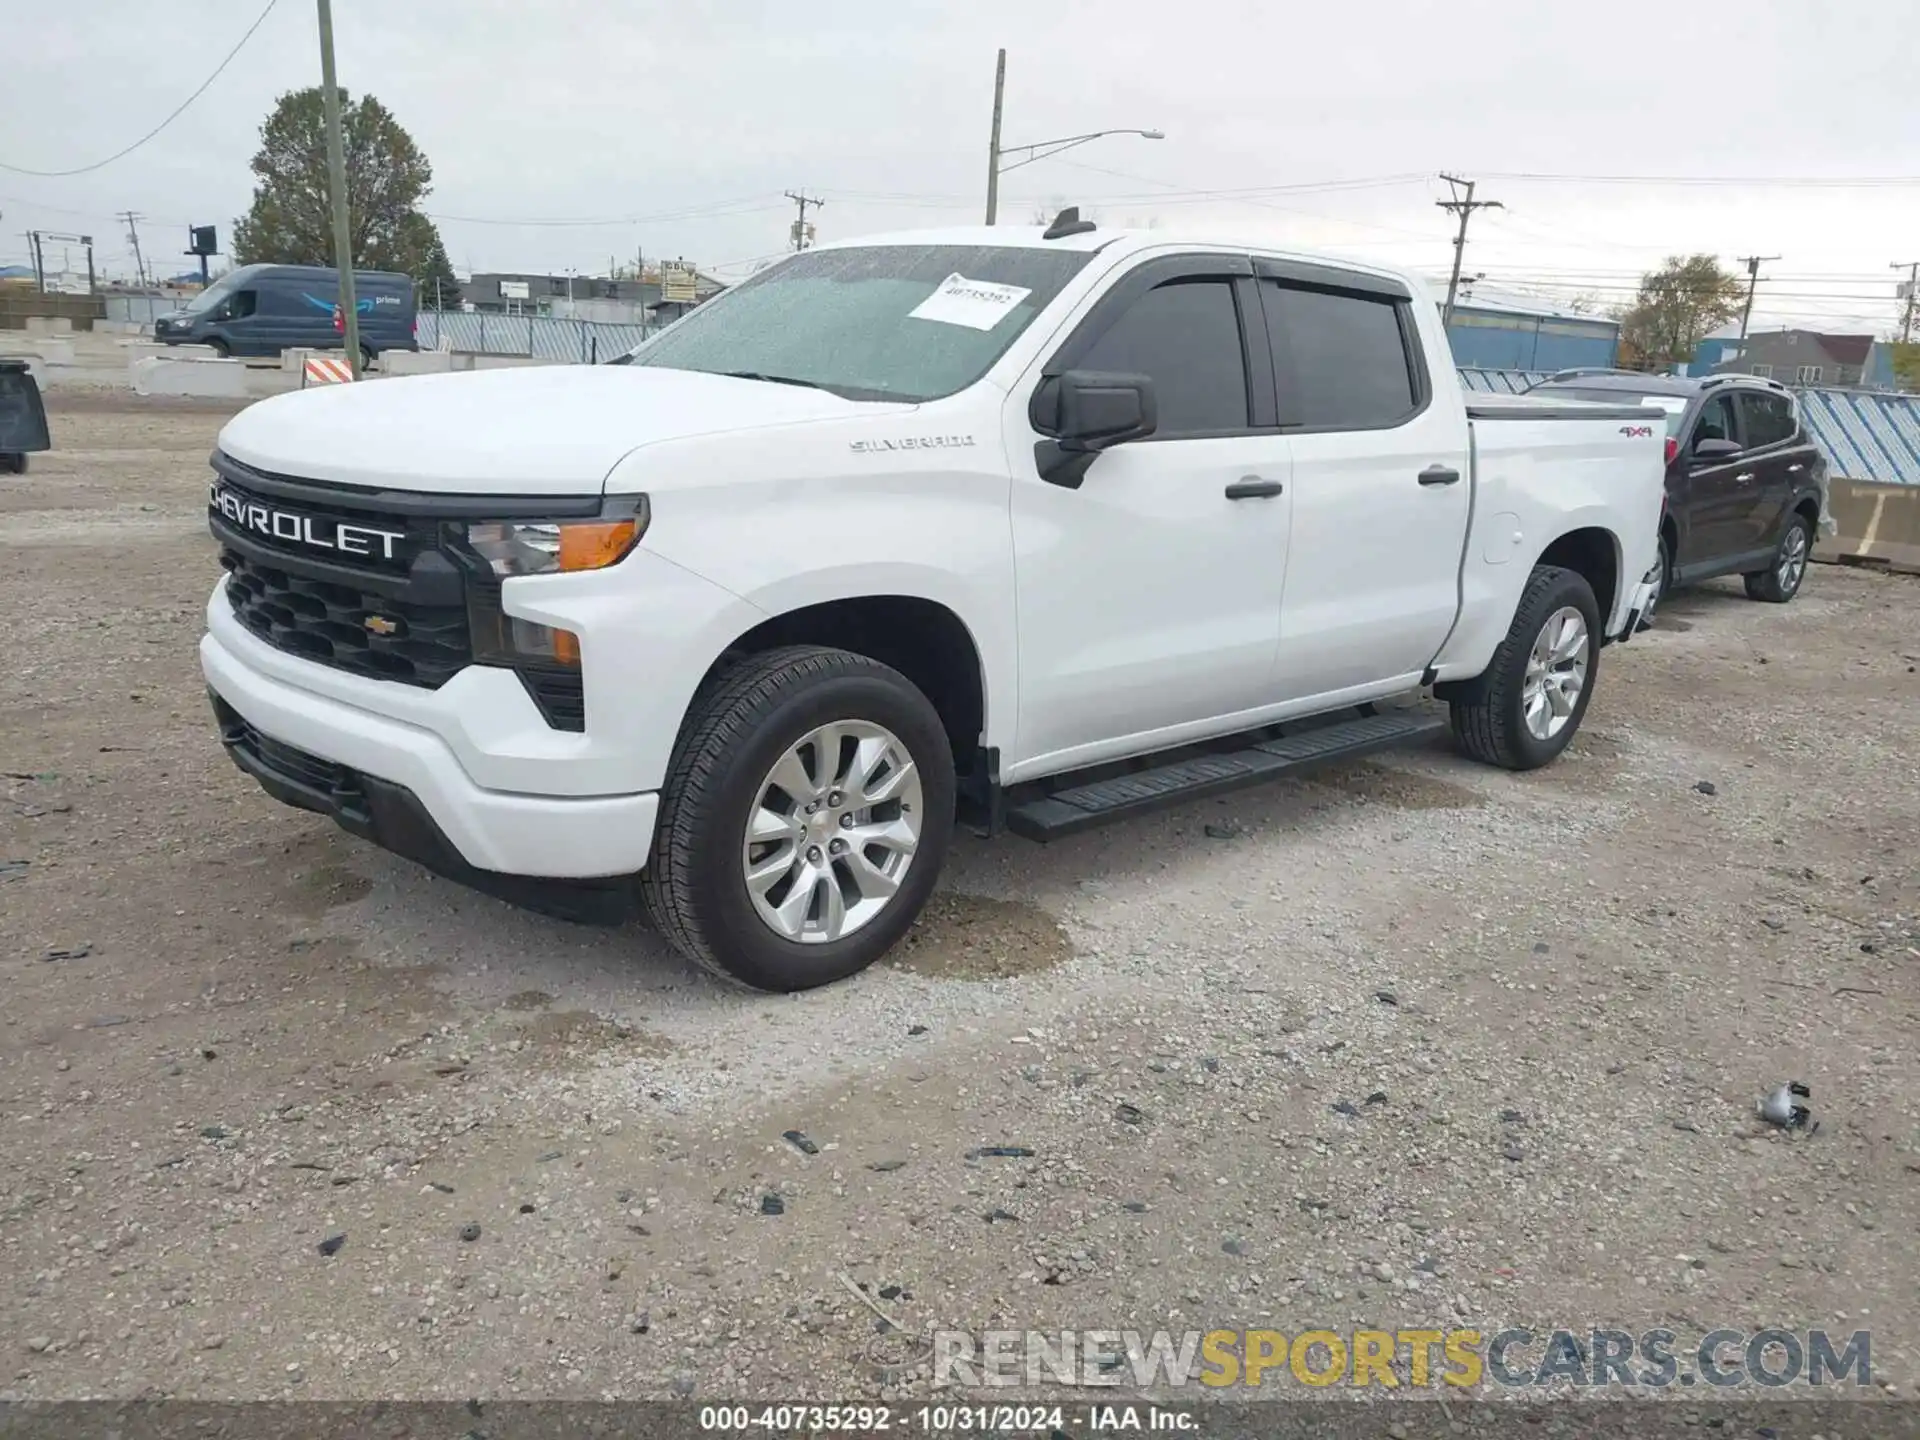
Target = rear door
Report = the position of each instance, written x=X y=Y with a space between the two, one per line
x=1719 y=492
x=1382 y=485
x=1766 y=419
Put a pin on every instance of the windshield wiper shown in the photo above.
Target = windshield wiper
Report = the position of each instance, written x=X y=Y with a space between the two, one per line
x=773 y=379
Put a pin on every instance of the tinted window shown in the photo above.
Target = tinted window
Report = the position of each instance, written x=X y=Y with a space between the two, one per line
x=1341 y=359
x=1185 y=336
x=1716 y=421
x=1768 y=418
x=243 y=304
x=870 y=322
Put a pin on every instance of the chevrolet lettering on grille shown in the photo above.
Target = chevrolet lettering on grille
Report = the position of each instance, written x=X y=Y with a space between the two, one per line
x=316 y=533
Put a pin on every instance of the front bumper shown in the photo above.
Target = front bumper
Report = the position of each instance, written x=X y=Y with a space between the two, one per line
x=494 y=832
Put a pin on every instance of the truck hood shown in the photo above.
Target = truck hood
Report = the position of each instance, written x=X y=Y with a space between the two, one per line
x=531 y=430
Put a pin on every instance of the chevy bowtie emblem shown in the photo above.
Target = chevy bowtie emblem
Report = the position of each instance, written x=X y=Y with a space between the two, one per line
x=381 y=625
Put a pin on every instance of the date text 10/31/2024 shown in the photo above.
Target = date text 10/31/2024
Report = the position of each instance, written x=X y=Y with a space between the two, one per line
x=944 y=1419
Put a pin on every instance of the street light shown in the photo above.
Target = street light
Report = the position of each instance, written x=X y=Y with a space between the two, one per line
x=1040 y=150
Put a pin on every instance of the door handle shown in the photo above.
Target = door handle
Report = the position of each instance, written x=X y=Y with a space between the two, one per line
x=1439 y=475
x=1252 y=487
x=1745 y=477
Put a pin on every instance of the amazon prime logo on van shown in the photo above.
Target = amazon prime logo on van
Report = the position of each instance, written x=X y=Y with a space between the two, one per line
x=913 y=442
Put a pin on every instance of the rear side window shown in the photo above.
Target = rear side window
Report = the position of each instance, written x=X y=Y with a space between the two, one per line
x=1341 y=359
x=1768 y=418
x=1716 y=421
x=1185 y=336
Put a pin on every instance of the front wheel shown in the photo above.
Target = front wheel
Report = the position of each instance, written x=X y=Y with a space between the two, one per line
x=1525 y=709
x=804 y=821
x=1780 y=581
x=1662 y=578
x=221 y=350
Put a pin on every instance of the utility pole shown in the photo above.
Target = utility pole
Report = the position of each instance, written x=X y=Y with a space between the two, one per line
x=337 y=182
x=1753 y=264
x=39 y=262
x=1912 y=267
x=133 y=238
x=1463 y=205
x=993 y=141
x=801 y=235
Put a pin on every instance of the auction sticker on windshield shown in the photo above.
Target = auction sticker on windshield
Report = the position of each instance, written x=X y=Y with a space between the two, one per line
x=976 y=304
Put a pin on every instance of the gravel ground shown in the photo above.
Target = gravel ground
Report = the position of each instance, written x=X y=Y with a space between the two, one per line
x=1415 y=1043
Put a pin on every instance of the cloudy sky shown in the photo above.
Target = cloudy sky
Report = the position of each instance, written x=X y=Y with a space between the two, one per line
x=566 y=132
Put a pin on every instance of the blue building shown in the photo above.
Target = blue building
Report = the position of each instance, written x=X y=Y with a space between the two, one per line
x=1493 y=331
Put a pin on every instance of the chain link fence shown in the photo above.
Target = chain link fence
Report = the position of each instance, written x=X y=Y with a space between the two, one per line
x=539 y=337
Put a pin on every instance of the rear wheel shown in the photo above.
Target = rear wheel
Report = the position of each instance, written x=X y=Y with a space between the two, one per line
x=1525 y=709
x=1780 y=582
x=367 y=358
x=13 y=464
x=804 y=820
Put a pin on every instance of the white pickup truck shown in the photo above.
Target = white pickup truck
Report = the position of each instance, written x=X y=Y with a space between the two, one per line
x=1017 y=528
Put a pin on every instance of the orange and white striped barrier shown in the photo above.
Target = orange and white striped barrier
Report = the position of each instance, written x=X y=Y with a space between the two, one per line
x=326 y=370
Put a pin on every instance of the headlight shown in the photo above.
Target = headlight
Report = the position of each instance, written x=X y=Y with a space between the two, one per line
x=509 y=549
x=512 y=547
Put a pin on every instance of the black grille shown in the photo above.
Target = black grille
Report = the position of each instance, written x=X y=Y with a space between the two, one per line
x=307 y=780
x=339 y=624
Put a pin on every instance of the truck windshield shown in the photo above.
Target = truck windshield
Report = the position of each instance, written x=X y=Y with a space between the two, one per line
x=879 y=322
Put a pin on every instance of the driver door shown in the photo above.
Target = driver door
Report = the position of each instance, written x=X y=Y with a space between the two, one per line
x=1149 y=595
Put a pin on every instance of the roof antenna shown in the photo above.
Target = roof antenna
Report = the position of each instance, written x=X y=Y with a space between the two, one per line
x=1068 y=222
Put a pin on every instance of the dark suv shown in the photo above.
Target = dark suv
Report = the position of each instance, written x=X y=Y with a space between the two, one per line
x=1746 y=489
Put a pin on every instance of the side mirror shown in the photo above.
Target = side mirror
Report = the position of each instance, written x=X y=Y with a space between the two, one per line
x=1099 y=410
x=1714 y=449
x=1091 y=411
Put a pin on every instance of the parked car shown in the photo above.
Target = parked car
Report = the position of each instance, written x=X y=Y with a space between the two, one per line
x=1030 y=528
x=264 y=309
x=1746 y=487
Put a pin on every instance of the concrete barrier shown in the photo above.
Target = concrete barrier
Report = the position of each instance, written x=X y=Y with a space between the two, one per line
x=416 y=362
x=155 y=350
x=49 y=325
x=49 y=349
x=1878 y=525
x=172 y=375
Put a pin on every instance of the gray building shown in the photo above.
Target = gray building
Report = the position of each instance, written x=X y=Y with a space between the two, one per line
x=1802 y=357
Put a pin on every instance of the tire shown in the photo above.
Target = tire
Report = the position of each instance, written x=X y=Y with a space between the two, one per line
x=1781 y=580
x=13 y=464
x=695 y=887
x=367 y=357
x=221 y=350
x=1489 y=714
x=1663 y=571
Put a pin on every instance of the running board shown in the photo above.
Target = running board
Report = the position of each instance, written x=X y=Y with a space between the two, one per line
x=1081 y=807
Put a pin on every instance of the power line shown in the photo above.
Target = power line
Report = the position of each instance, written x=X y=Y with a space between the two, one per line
x=175 y=115
x=748 y=205
x=1826 y=182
